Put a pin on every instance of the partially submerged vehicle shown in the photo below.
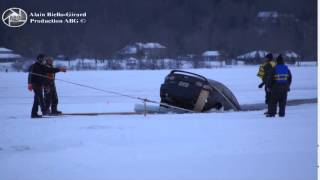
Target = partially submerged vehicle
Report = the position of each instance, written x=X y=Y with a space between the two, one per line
x=195 y=92
x=184 y=91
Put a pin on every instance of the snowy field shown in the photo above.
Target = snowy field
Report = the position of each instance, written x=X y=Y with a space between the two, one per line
x=222 y=146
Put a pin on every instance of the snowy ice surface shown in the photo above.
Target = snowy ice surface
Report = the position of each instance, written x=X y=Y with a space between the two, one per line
x=231 y=145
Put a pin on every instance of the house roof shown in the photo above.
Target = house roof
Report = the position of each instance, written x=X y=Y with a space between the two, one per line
x=274 y=15
x=14 y=13
x=133 y=48
x=150 y=45
x=268 y=14
x=6 y=53
x=254 y=54
x=291 y=54
x=9 y=56
x=129 y=50
x=3 y=49
x=211 y=53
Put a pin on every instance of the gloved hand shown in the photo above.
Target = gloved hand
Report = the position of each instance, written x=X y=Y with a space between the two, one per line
x=63 y=69
x=30 y=87
x=260 y=85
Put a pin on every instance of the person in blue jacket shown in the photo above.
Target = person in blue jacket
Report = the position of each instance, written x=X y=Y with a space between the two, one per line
x=279 y=85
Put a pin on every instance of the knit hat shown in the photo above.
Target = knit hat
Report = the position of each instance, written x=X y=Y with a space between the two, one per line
x=280 y=59
x=40 y=57
x=49 y=60
x=269 y=56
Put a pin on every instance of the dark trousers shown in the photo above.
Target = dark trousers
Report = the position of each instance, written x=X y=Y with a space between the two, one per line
x=51 y=97
x=38 y=99
x=268 y=94
x=277 y=97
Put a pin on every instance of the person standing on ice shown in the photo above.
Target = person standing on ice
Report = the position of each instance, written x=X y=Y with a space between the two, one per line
x=279 y=83
x=37 y=75
x=50 y=91
x=264 y=73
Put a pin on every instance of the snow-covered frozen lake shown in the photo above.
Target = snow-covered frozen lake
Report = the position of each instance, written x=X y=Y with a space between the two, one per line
x=231 y=145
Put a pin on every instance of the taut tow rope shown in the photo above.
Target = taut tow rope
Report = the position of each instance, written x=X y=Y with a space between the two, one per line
x=144 y=100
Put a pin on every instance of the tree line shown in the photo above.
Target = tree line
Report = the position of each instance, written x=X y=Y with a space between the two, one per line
x=183 y=26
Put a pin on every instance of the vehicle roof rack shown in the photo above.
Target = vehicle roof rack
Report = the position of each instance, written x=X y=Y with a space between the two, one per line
x=190 y=73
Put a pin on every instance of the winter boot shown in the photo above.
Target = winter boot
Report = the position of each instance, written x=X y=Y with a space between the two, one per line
x=270 y=115
x=56 y=112
x=46 y=112
x=36 y=116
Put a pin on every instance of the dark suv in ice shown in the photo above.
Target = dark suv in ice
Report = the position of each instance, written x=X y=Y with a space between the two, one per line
x=195 y=92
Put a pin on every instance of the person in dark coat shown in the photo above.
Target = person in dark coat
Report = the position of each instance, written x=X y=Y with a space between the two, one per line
x=50 y=91
x=279 y=84
x=264 y=73
x=37 y=75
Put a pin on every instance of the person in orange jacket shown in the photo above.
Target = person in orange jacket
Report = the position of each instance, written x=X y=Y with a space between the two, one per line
x=50 y=91
x=37 y=76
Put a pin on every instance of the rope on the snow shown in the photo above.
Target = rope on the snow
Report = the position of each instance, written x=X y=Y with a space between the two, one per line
x=144 y=100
